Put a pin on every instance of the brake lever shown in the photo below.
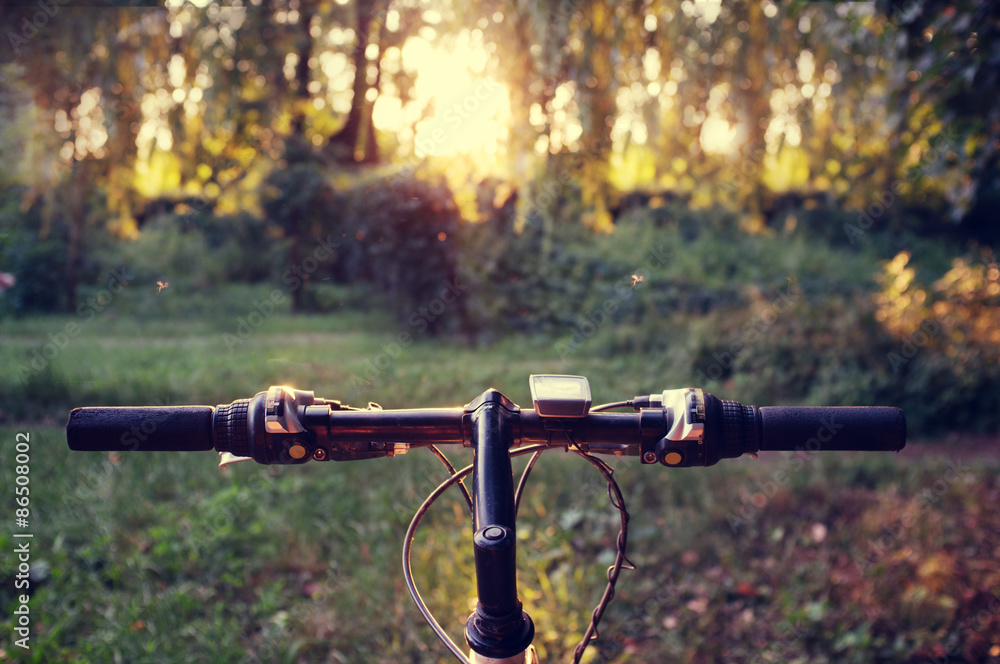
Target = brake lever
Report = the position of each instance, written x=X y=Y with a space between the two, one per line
x=227 y=459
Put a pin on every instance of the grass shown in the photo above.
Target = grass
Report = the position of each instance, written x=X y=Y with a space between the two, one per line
x=130 y=361
x=162 y=557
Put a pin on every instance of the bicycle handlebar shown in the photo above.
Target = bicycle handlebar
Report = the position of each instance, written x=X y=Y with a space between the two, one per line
x=684 y=427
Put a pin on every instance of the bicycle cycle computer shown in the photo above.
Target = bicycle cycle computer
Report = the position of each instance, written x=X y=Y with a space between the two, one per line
x=560 y=396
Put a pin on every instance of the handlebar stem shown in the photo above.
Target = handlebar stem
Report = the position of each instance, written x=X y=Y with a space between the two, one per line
x=498 y=629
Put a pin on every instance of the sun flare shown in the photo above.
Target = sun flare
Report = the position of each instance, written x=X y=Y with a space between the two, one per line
x=454 y=106
x=718 y=136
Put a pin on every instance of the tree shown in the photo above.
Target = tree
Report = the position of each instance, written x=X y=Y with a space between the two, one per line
x=63 y=55
x=951 y=53
x=356 y=140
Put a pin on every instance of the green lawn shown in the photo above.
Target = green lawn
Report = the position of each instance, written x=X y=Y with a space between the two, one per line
x=126 y=361
x=162 y=557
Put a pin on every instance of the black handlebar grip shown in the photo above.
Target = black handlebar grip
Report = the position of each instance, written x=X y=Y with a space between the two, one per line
x=832 y=429
x=144 y=429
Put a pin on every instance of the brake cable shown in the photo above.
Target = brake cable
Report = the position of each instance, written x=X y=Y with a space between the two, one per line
x=451 y=471
x=621 y=560
x=408 y=546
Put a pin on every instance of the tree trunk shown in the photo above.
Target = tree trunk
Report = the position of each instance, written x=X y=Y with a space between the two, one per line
x=371 y=143
x=301 y=144
x=356 y=140
x=598 y=93
x=77 y=219
x=751 y=167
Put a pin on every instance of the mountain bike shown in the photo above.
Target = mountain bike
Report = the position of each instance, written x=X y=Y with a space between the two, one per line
x=677 y=428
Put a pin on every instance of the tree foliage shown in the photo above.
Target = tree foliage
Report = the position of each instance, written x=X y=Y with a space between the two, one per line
x=269 y=106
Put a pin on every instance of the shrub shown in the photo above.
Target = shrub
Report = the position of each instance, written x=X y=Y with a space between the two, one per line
x=37 y=261
x=399 y=234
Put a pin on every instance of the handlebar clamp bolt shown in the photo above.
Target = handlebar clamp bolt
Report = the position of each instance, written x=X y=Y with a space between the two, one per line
x=649 y=457
x=319 y=454
x=494 y=533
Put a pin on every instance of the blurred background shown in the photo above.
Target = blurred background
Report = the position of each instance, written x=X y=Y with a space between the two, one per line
x=407 y=202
